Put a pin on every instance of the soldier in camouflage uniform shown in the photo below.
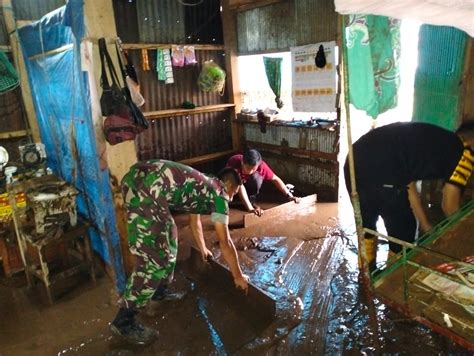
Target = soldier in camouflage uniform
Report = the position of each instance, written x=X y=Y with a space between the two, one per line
x=150 y=190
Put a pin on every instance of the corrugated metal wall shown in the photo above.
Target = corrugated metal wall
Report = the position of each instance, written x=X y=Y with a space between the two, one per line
x=126 y=20
x=441 y=57
x=160 y=96
x=313 y=175
x=308 y=178
x=310 y=139
x=160 y=21
x=167 y=21
x=182 y=137
x=178 y=138
x=281 y=26
x=34 y=9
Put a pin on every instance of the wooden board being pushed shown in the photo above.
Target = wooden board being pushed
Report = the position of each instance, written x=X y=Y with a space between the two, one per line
x=256 y=300
x=269 y=214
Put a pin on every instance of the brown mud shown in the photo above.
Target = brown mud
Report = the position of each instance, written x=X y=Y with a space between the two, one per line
x=306 y=260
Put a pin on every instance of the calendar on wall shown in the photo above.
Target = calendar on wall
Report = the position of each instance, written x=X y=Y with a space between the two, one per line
x=314 y=87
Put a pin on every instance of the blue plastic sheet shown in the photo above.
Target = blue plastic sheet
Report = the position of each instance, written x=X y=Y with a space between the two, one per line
x=60 y=91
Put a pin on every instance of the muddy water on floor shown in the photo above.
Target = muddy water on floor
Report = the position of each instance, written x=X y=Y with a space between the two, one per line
x=307 y=262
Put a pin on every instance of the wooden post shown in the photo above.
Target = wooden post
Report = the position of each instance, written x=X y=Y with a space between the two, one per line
x=232 y=79
x=19 y=62
x=100 y=22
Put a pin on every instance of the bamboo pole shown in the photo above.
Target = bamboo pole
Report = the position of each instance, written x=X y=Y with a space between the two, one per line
x=366 y=281
x=354 y=195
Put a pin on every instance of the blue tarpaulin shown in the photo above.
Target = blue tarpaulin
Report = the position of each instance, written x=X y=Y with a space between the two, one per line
x=60 y=92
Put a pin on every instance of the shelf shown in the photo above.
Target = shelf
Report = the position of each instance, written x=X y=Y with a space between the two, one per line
x=198 y=47
x=206 y=158
x=163 y=114
x=244 y=5
x=297 y=151
x=14 y=134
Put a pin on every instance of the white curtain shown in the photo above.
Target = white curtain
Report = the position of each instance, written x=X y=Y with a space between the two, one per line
x=456 y=13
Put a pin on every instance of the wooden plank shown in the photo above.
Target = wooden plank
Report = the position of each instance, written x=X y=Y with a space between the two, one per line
x=14 y=134
x=206 y=158
x=231 y=67
x=199 y=47
x=53 y=51
x=12 y=26
x=256 y=299
x=270 y=214
x=244 y=5
x=164 y=114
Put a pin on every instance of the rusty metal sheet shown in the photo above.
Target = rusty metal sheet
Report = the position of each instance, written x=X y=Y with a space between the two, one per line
x=256 y=299
x=270 y=214
x=281 y=26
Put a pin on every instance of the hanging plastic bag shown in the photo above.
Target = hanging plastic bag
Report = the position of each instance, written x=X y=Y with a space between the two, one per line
x=135 y=94
x=189 y=55
x=177 y=53
x=211 y=78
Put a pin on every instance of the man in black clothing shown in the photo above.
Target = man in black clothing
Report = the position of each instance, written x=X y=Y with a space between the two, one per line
x=388 y=162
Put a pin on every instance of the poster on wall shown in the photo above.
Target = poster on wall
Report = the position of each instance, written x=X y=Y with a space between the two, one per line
x=314 y=77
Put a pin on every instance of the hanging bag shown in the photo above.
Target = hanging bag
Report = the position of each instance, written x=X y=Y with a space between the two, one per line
x=118 y=129
x=120 y=124
x=211 y=78
x=135 y=112
x=130 y=75
x=112 y=100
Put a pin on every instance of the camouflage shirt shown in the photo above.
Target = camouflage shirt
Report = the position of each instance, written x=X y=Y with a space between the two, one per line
x=184 y=188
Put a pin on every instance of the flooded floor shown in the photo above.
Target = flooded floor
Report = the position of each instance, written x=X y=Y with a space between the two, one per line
x=306 y=260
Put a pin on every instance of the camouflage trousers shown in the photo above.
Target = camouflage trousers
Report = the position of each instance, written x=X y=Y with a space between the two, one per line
x=152 y=238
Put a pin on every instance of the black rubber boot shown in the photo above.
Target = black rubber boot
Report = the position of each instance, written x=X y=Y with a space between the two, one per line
x=125 y=326
x=160 y=293
x=163 y=293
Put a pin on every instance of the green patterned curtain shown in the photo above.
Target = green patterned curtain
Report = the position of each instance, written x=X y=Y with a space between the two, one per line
x=373 y=52
x=441 y=57
x=273 y=71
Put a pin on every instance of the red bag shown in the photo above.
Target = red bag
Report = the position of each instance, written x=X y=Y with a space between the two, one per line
x=118 y=129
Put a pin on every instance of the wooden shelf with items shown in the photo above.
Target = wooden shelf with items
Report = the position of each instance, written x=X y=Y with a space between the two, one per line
x=164 y=114
x=198 y=47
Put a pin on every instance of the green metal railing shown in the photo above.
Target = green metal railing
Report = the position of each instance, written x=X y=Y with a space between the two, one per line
x=410 y=250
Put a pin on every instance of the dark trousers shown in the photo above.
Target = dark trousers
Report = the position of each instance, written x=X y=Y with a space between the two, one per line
x=253 y=185
x=391 y=204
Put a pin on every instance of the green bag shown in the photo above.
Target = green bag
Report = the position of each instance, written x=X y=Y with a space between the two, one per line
x=211 y=78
